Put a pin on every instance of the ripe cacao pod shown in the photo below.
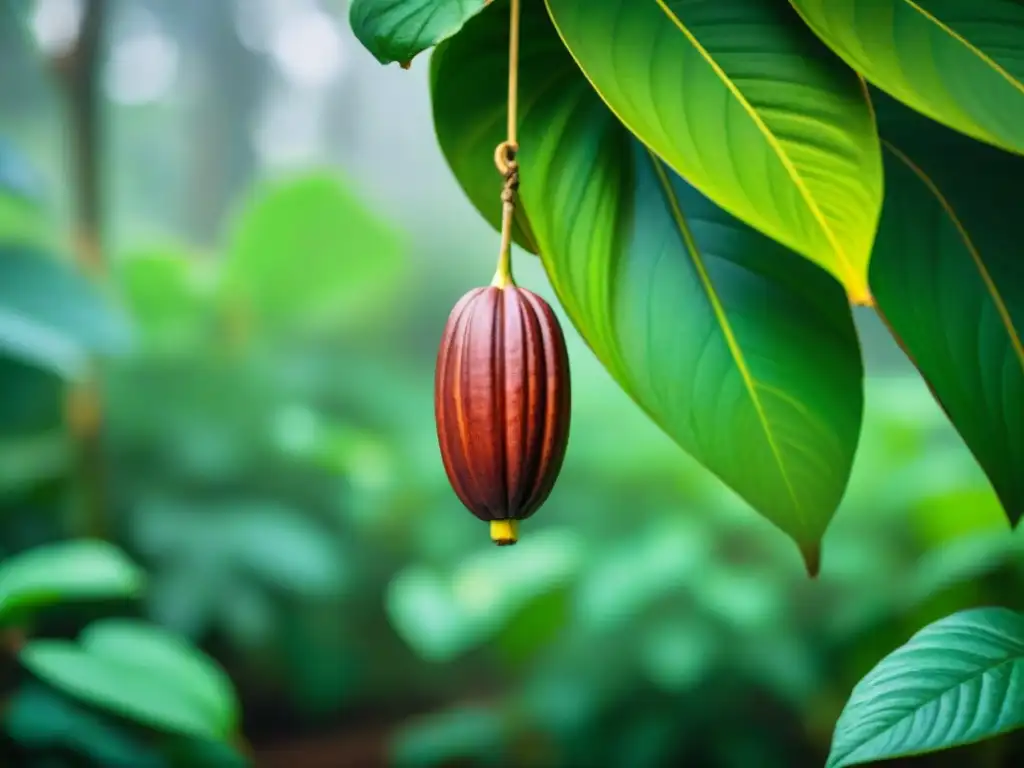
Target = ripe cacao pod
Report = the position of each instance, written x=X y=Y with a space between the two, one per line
x=501 y=401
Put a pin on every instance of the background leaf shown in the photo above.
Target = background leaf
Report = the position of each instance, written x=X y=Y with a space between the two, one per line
x=53 y=316
x=166 y=291
x=960 y=62
x=58 y=573
x=740 y=350
x=747 y=106
x=140 y=672
x=18 y=177
x=948 y=277
x=41 y=717
x=955 y=682
x=307 y=250
x=397 y=30
x=22 y=197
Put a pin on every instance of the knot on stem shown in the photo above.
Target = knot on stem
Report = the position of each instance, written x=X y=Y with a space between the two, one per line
x=506 y=163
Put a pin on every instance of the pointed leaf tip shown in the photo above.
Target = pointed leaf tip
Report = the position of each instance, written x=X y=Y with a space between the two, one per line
x=812 y=559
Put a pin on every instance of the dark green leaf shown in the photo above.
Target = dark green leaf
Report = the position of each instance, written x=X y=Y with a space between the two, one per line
x=948 y=277
x=203 y=753
x=742 y=351
x=74 y=570
x=397 y=30
x=51 y=315
x=741 y=100
x=955 y=682
x=31 y=399
x=140 y=672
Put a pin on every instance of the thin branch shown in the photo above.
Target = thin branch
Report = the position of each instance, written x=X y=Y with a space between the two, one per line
x=79 y=74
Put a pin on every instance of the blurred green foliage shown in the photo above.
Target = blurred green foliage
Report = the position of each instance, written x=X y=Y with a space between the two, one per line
x=272 y=469
x=92 y=693
x=279 y=478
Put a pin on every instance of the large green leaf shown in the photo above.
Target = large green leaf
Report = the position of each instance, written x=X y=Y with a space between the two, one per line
x=74 y=570
x=306 y=250
x=742 y=351
x=140 y=672
x=955 y=682
x=397 y=30
x=741 y=100
x=53 y=316
x=960 y=62
x=948 y=277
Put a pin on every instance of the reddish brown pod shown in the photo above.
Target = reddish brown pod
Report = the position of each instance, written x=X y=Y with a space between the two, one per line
x=502 y=404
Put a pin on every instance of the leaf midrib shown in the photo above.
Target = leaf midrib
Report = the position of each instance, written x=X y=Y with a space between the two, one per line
x=971 y=48
x=979 y=263
x=775 y=144
x=932 y=699
x=735 y=350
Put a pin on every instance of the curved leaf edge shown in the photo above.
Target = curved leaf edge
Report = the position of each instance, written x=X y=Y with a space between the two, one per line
x=931 y=114
x=843 y=761
x=357 y=16
x=1013 y=514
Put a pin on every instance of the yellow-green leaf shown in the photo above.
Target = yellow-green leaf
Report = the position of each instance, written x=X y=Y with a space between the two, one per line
x=741 y=100
x=960 y=62
x=739 y=349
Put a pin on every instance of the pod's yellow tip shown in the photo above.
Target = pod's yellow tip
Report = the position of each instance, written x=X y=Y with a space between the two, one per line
x=504 y=532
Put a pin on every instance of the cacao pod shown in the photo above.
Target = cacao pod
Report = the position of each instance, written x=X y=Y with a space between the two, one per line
x=501 y=402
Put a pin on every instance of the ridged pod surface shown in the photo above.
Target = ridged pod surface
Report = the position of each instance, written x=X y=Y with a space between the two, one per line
x=502 y=402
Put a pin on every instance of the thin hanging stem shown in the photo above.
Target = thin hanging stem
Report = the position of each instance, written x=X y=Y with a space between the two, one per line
x=513 y=74
x=505 y=156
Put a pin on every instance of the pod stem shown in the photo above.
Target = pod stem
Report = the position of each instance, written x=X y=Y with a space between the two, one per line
x=503 y=275
x=505 y=157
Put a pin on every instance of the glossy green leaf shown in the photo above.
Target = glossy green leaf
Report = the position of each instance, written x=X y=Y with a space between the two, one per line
x=957 y=681
x=305 y=251
x=140 y=672
x=948 y=277
x=74 y=570
x=742 y=351
x=397 y=30
x=960 y=62
x=742 y=101
x=53 y=316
